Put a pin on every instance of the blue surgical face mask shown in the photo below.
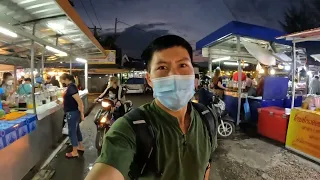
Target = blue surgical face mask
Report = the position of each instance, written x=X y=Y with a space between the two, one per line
x=174 y=92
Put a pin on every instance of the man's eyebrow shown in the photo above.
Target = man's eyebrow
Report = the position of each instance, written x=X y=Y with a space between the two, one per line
x=162 y=62
x=184 y=59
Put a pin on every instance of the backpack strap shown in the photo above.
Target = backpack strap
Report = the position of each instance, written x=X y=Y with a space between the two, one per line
x=210 y=120
x=119 y=92
x=144 y=159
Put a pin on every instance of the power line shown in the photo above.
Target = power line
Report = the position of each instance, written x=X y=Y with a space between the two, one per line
x=94 y=11
x=86 y=12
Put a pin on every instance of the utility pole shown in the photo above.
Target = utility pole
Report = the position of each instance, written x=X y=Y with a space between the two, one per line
x=115 y=28
x=95 y=31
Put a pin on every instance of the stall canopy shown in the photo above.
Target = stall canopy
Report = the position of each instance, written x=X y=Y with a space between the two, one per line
x=256 y=43
x=53 y=24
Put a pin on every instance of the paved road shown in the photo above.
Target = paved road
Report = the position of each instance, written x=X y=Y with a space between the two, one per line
x=77 y=169
x=240 y=158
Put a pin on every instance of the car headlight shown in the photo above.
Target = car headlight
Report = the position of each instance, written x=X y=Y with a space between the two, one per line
x=105 y=104
x=103 y=120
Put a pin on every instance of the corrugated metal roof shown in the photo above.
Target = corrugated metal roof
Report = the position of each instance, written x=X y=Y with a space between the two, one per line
x=52 y=23
x=308 y=35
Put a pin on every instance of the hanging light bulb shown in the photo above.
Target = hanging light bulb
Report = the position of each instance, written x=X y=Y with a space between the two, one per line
x=280 y=66
x=287 y=67
x=272 y=71
x=261 y=71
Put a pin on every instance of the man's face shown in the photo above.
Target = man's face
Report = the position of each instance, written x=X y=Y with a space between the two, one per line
x=172 y=61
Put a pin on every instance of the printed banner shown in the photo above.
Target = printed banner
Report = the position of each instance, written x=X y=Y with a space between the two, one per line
x=303 y=133
x=110 y=59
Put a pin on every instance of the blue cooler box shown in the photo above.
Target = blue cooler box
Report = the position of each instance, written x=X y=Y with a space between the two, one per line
x=272 y=102
x=297 y=102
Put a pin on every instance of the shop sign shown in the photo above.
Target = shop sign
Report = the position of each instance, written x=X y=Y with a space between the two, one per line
x=109 y=59
x=303 y=135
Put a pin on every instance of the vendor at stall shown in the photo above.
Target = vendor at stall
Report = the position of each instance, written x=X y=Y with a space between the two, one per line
x=7 y=85
x=21 y=80
x=235 y=76
x=315 y=85
x=260 y=86
x=216 y=83
x=25 y=88
x=54 y=81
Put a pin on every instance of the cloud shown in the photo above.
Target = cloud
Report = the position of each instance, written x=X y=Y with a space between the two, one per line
x=191 y=19
x=135 y=39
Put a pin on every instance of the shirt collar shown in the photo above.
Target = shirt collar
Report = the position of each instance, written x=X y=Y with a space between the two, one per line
x=168 y=118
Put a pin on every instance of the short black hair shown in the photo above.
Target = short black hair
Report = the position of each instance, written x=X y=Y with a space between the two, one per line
x=162 y=43
x=67 y=76
x=27 y=79
x=6 y=75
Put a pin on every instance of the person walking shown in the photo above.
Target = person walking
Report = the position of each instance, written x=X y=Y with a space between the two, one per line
x=167 y=138
x=74 y=111
x=315 y=85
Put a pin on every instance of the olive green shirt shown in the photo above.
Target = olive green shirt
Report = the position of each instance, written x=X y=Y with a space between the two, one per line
x=179 y=156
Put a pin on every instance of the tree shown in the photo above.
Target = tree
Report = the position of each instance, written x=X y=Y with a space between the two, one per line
x=307 y=16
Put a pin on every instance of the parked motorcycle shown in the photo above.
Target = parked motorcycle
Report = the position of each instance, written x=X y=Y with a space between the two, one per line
x=105 y=118
x=226 y=126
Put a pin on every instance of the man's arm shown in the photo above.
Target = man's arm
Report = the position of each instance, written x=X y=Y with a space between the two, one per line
x=207 y=175
x=117 y=153
x=102 y=171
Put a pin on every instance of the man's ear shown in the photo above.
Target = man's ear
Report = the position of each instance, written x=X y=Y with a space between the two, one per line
x=148 y=78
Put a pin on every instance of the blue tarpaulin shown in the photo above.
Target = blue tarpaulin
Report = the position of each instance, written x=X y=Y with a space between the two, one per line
x=244 y=30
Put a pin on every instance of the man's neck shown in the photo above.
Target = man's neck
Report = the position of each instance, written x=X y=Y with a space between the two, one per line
x=181 y=115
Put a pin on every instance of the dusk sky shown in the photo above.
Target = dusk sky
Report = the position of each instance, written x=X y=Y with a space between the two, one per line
x=191 y=19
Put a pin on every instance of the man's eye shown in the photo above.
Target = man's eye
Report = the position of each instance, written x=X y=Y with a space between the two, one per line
x=162 y=68
x=183 y=65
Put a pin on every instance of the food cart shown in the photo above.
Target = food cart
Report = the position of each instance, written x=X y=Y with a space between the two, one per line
x=303 y=133
x=53 y=32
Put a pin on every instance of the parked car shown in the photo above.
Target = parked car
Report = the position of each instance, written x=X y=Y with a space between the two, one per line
x=137 y=85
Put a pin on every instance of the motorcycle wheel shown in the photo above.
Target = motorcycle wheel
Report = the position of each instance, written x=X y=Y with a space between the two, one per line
x=99 y=139
x=228 y=131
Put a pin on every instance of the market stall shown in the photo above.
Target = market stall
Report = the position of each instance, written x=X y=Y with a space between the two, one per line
x=243 y=46
x=303 y=134
x=33 y=123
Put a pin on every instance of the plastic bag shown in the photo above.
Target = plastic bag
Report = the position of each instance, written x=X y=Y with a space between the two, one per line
x=65 y=129
x=258 y=68
x=247 y=113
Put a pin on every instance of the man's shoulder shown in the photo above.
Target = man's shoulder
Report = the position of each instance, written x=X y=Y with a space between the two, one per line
x=138 y=113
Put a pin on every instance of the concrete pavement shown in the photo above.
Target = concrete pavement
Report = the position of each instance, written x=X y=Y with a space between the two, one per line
x=77 y=169
x=240 y=158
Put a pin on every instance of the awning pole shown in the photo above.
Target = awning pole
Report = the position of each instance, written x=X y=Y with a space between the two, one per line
x=239 y=81
x=86 y=76
x=294 y=74
x=42 y=61
x=209 y=63
x=70 y=60
x=32 y=75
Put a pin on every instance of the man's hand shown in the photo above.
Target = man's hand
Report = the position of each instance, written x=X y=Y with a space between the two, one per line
x=102 y=171
x=118 y=104
x=206 y=176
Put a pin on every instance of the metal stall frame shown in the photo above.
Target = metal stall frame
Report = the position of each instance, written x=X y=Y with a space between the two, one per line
x=219 y=44
x=299 y=37
x=37 y=24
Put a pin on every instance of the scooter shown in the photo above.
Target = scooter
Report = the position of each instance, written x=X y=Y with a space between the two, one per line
x=105 y=118
x=226 y=127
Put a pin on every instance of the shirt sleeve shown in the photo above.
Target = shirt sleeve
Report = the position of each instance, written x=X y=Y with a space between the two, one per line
x=72 y=90
x=119 y=147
